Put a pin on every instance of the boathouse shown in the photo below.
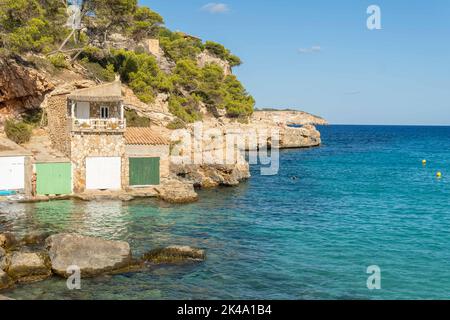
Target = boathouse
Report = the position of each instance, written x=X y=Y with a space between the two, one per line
x=15 y=168
x=147 y=155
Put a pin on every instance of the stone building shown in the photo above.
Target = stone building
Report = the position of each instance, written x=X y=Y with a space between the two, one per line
x=91 y=131
x=15 y=168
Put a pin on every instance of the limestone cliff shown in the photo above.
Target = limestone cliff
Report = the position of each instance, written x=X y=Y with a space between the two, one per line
x=21 y=88
x=287 y=117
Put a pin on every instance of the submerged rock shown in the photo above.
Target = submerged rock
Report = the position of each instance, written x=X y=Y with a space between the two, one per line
x=5 y=260
x=94 y=256
x=35 y=238
x=5 y=280
x=29 y=266
x=8 y=240
x=174 y=255
x=177 y=192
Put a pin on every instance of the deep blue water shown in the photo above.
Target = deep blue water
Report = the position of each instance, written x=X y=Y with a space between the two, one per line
x=363 y=198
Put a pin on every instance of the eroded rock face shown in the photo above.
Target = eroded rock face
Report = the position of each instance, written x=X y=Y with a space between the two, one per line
x=210 y=176
x=7 y=240
x=206 y=57
x=94 y=256
x=287 y=118
x=5 y=280
x=304 y=137
x=21 y=88
x=174 y=255
x=175 y=191
x=29 y=266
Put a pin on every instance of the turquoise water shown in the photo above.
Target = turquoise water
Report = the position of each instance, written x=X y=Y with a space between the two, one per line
x=361 y=199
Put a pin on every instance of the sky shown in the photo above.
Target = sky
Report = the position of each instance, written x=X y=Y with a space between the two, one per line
x=320 y=57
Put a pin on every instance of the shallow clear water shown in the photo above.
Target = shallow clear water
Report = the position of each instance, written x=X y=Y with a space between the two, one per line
x=361 y=199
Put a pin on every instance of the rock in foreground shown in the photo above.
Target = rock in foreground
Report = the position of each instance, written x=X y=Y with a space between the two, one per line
x=29 y=266
x=174 y=255
x=7 y=240
x=94 y=256
x=5 y=280
x=176 y=191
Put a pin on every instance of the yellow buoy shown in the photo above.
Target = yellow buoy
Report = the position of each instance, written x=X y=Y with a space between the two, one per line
x=424 y=162
x=439 y=174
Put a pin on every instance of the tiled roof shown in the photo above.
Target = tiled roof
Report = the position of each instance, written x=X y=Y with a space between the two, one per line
x=144 y=136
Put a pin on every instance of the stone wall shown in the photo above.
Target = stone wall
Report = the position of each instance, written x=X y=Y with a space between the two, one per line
x=56 y=110
x=114 y=109
x=95 y=145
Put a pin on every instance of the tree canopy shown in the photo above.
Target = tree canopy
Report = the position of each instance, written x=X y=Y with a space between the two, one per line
x=39 y=27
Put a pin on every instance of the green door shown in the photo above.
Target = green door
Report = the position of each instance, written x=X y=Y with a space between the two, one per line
x=53 y=178
x=144 y=171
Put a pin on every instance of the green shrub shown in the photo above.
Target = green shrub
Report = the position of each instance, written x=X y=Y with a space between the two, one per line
x=104 y=74
x=134 y=120
x=59 y=61
x=176 y=124
x=184 y=108
x=18 y=131
x=33 y=36
x=223 y=53
x=32 y=117
x=178 y=46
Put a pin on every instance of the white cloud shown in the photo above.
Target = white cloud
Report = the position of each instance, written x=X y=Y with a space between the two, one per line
x=313 y=49
x=216 y=8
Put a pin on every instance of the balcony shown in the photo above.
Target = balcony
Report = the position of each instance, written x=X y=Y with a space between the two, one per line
x=112 y=125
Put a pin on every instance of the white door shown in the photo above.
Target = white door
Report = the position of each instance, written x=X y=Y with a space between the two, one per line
x=83 y=111
x=12 y=173
x=103 y=173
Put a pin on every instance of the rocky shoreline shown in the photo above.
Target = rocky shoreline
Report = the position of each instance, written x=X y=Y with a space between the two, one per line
x=38 y=257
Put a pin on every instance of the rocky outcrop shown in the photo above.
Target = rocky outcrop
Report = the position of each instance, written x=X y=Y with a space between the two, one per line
x=288 y=117
x=29 y=266
x=304 y=137
x=209 y=176
x=157 y=111
x=7 y=241
x=206 y=57
x=93 y=256
x=21 y=88
x=5 y=280
x=174 y=255
x=176 y=191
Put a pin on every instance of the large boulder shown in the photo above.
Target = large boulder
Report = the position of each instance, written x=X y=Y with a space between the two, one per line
x=175 y=191
x=29 y=266
x=174 y=255
x=5 y=260
x=94 y=256
x=7 y=240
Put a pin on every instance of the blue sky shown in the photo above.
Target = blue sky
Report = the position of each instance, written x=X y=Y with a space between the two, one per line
x=319 y=56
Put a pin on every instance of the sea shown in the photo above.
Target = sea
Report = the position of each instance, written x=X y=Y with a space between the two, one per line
x=360 y=217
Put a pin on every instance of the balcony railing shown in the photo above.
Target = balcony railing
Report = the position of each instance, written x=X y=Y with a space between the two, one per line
x=98 y=125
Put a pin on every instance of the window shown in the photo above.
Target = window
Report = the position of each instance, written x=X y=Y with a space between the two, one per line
x=104 y=112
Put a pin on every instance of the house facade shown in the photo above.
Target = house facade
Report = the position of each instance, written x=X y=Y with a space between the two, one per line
x=15 y=168
x=91 y=130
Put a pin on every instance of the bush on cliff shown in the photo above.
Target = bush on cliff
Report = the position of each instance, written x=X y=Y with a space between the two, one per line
x=223 y=53
x=134 y=120
x=18 y=131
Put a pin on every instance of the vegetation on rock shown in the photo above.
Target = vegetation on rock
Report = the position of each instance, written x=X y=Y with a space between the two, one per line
x=39 y=27
x=18 y=131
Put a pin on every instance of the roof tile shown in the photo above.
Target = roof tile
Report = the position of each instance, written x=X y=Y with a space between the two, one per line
x=144 y=136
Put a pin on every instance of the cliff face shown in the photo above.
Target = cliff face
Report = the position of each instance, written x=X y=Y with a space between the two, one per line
x=288 y=118
x=21 y=88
